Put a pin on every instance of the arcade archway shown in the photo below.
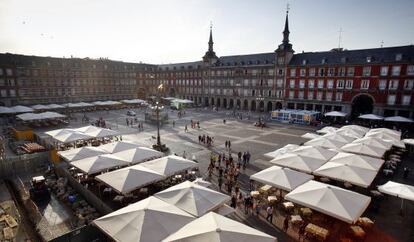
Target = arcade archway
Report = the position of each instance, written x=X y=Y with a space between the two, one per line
x=362 y=104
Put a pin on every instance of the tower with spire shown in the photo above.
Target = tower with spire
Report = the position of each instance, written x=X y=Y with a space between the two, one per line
x=210 y=56
x=286 y=46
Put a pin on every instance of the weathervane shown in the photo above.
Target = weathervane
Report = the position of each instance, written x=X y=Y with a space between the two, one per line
x=287 y=7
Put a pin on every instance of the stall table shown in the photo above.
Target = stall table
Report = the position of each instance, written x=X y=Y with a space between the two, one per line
x=357 y=231
x=306 y=212
x=315 y=232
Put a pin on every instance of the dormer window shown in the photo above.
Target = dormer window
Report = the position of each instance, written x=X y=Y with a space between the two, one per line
x=398 y=57
x=324 y=61
x=343 y=59
x=304 y=62
x=369 y=59
x=258 y=62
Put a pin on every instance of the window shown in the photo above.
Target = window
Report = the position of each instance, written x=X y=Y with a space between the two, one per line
x=3 y=93
x=391 y=100
x=12 y=93
x=320 y=83
x=366 y=71
x=304 y=62
x=330 y=84
x=303 y=72
x=340 y=84
x=280 y=60
x=312 y=71
x=398 y=57
x=364 y=84
x=369 y=59
x=301 y=95
x=321 y=71
x=279 y=83
x=410 y=70
x=292 y=72
x=348 y=84
x=396 y=70
x=350 y=71
x=341 y=71
x=291 y=94
x=311 y=83
x=292 y=84
x=408 y=84
x=1 y=72
x=393 y=85
x=384 y=70
x=331 y=71
x=319 y=95
x=382 y=84
x=406 y=100
x=9 y=72
x=310 y=95
x=301 y=83
x=338 y=96
x=329 y=96
x=280 y=72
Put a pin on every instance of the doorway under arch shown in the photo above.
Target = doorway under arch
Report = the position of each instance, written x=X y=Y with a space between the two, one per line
x=218 y=103
x=279 y=106
x=362 y=104
x=261 y=106
x=269 y=106
x=224 y=103
x=238 y=104
x=231 y=105
x=253 y=105
x=245 y=105
x=212 y=102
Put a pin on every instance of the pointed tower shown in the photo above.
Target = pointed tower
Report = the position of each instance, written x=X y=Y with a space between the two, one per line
x=210 y=56
x=286 y=46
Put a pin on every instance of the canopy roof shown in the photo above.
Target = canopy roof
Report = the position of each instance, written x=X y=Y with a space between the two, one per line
x=99 y=163
x=192 y=198
x=399 y=119
x=335 y=114
x=71 y=136
x=393 y=139
x=83 y=133
x=138 y=155
x=200 y=181
x=6 y=110
x=325 y=143
x=130 y=178
x=119 y=146
x=326 y=130
x=315 y=152
x=285 y=149
x=408 y=141
x=343 y=172
x=299 y=162
x=371 y=117
x=217 y=228
x=40 y=107
x=183 y=101
x=394 y=134
x=22 y=109
x=224 y=210
x=283 y=178
x=355 y=127
x=310 y=136
x=339 y=203
x=39 y=116
x=356 y=134
x=81 y=153
x=361 y=161
x=338 y=137
x=364 y=149
x=169 y=165
x=149 y=220
x=134 y=101
x=54 y=106
x=398 y=189
x=374 y=141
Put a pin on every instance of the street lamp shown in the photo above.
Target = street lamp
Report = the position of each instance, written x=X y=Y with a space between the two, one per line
x=157 y=108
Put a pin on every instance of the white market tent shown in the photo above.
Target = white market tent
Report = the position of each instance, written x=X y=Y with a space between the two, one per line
x=170 y=165
x=387 y=137
x=325 y=143
x=285 y=149
x=39 y=116
x=200 y=181
x=298 y=162
x=217 y=228
x=98 y=163
x=356 y=134
x=83 y=133
x=130 y=178
x=371 y=117
x=149 y=220
x=138 y=155
x=282 y=178
x=392 y=133
x=339 y=203
x=133 y=101
x=338 y=137
x=224 y=210
x=80 y=153
x=335 y=114
x=326 y=130
x=96 y=132
x=71 y=136
x=40 y=107
x=398 y=119
x=6 y=110
x=54 y=106
x=315 y=151
x=398 y=189
x=374 y=141
x=355 y=127
x=119 y=146
x=22 y=109
x=347 y=173
x=361 y=161
x=192 y=198
x=364 y=149
x=310 y=136
x=408 y=141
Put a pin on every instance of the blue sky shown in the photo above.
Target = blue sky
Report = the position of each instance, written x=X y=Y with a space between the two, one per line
x=156 y=31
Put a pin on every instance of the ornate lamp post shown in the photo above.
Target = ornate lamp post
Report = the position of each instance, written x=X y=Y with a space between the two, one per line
x=156 y=108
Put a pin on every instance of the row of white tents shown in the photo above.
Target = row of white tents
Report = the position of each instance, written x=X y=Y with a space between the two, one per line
x=26 y=109
x=83 y=133
x=40 y=116
x=184 y=212
x=398 y=119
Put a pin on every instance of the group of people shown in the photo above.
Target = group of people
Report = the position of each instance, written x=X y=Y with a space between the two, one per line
x=180 y=114
x=205 y=139
x=195 y=124
x=132 y=121
x=243 y=158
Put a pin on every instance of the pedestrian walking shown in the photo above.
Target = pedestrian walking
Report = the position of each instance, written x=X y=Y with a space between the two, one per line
x=302 y=231
x=233 y=201
x=173 y=123
x=257 y=208
x=286 y=223
x=220 y=182
x=185 y=128
x=269 y=212
x=405 y=173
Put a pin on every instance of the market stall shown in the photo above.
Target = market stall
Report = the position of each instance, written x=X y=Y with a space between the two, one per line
x=295 y=116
